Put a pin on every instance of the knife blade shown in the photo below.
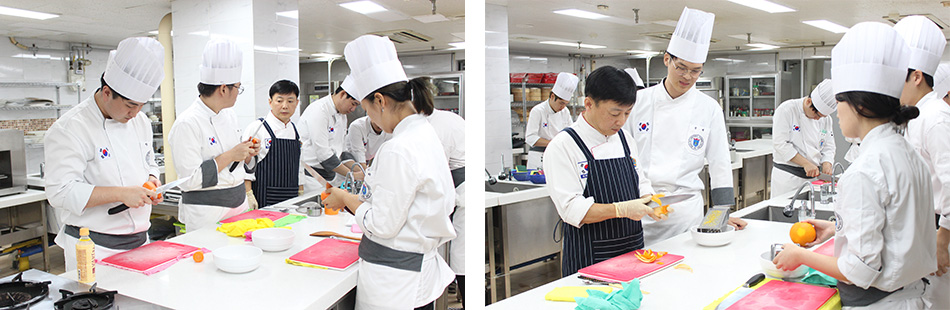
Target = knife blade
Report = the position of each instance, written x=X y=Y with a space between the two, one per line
x=668 y=200
x=825 y=177
x=736 y=295
x=314 y=174
x=159 y=190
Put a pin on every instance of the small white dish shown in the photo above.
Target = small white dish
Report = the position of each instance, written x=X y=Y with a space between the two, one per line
x=713 y=239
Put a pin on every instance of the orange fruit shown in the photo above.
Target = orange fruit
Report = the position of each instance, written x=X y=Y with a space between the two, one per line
x=198 y=256
x=151 y=186
x=802 y=233
x=255 y=140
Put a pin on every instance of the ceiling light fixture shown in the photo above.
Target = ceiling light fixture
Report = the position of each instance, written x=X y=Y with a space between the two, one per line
x=325 y=55
x=575 y=45
x=762 y=46
x=290 y=14
x=458 y=45
x=764 y=5
x=25 y=13
x=826 y=25
x=581 y=14
x=363 y=7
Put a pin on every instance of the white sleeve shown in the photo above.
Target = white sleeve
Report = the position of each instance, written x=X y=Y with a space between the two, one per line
x=185 y=143
x=532 y=128
x=386 y=212
x=354 y=141
x=255 y=129
x=828 y=149
x=66 y=187
x=936 y=143
x=784 y=149
x=320 y=137
x=564 y=183
x=720 y=163
x=862 y=224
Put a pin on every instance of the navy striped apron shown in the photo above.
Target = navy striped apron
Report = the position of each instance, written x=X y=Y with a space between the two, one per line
x=608 y=181
x=276 y=175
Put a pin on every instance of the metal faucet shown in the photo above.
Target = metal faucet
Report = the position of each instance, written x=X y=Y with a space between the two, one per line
x=491 y=178
x=811 y=199
x=834 y=177
x=349 y=182
x=504 y=170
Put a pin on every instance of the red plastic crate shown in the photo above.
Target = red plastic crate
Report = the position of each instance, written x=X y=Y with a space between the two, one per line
x=549 y=78
x=517 y=77
x=534 y=77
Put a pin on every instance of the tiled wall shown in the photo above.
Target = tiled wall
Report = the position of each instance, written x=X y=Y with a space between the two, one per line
x=497 y=88
x=34 y=124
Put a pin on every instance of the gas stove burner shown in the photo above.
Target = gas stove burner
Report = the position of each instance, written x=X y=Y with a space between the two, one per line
x=90 y=300
x=19 y=294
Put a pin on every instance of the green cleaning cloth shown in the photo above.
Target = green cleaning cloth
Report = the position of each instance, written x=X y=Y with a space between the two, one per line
x=290 y=219
x=627 y=298
x=816 y=277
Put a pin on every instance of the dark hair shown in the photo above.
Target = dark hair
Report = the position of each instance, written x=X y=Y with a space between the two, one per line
x=672 y=57
x=348 y=95
x=206 y=90
x=419 y=90
x=115 y=94
x=556 y=97
x=284 y=87
x=609 y=83
x=874 y=105
x=927 y=78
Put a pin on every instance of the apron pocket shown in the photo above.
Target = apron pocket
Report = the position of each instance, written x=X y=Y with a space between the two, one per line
x=609 y=248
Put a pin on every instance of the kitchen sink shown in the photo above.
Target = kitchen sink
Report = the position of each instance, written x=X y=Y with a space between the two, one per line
x=507 y=187
x=774 y=214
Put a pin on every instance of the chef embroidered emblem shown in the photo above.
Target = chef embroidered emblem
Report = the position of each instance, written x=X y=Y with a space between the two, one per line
x=645 y=126
x=696 y=142
x=330 y=129
x=634 y=161
x=796 y=128
x=544 y=125
x=821 y=143
x=104 y=153
x=584 y=168
x=212 y=140
x=365 y=192
x=267 y=143
x=839 y=223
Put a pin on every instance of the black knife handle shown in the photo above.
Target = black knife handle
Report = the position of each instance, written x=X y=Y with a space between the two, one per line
x=755 y=280
x=117 y=209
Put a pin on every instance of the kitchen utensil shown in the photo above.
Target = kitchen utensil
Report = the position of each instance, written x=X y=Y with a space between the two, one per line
x=314 y=174
x=668 y=200
x=237 y=258
x=777 y=294
x=150 y=258
x=627 y=267
x=159 y=190
x=765 y=261
x=717 y=218
x=273 y=239
x=328 y=253
x=324 y=233
x=711 y=238
x=741 y=292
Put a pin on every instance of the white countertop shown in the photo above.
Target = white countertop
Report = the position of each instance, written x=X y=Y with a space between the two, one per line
x=716 y=271
x=29 y=196
x=273 y=285
x=493 y=199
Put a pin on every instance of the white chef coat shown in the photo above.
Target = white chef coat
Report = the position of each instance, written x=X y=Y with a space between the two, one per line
x=450 y=128
x=885 y=229
x=362 y=141
x=566 y=168
x=323 y=133
x=543 y=123
x=198 y=136
x=409 y=198
x=794 y=133
x=84 y=150
x=281 y=131
x=676 y=137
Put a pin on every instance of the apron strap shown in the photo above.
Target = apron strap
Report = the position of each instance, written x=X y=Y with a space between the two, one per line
x=458 y=176
x=269 y=130
x=223 y=197
x=626 y=148
x=537 y=149
x=379 y=254
x=116 y=242
x=580 y=143
x=854 y=296
x=793 y=170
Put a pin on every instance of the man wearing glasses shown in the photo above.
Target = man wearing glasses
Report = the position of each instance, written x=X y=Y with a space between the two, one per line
x=678 y=129
x=323 y=133
x=206 y=142
x=803 y=139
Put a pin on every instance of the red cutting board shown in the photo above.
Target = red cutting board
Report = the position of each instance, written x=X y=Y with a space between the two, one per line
x=256 y=214
x=329 y=253
x=777 y=295
x=144 y=258
x=627 y=267
x=827 y=249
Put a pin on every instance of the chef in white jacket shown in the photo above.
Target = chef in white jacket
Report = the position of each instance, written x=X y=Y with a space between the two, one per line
x=884 y=233
x=363 y=139
x=549 y=117
x=803 y=139
x=678 y=129
x=450 y=128
x=99 y=154
x=206 y=142
x=929 y=133
x=636 y=77
x=404 y=205
x=278 y=175
x=323 y=132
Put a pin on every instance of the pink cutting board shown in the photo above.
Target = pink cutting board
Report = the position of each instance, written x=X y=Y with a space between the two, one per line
x=330 y=253
x=256 y=214
x=150 y=258
x=827 y=249
x=627 y=267
x=776 y=295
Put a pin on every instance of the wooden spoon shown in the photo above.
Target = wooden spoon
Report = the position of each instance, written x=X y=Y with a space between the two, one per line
x=325 y=233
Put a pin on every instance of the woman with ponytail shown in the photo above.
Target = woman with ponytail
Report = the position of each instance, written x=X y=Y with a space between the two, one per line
x=404 y=205
x=884 y=225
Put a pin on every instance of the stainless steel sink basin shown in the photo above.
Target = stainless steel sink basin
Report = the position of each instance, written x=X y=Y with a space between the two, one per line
x=507 y=187
x=774 y=214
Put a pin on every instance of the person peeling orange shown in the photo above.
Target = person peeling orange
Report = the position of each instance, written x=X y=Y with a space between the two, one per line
x=802 y=233
x=151 y=186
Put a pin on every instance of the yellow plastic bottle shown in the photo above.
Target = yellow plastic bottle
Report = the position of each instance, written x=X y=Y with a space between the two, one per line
x=86 y=257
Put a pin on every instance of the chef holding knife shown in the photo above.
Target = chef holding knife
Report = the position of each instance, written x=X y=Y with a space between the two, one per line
x=99 y=154
x=206 y=142
x=549 y=117
x=278 y=175
x=803 y=139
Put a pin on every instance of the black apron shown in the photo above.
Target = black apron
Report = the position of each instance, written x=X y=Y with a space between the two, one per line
x=276 y=176
x=608 y=181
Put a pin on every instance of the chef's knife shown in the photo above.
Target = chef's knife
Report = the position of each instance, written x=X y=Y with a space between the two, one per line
x=668 y=200
x=740 y=292
x=159 y=190
x=825 y=177
x=314 y=174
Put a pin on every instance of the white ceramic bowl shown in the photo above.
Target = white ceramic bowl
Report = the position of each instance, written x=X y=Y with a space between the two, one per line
x=765 y=260
x=237 y=258
x=273 y=239
x=713 y=239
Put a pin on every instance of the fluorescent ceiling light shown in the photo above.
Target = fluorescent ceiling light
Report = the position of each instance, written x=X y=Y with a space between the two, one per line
x=363 y=7
x=764 y=5
x=581 y=14
x=762 y=46
x=457 y=45
x=24 y=13
x=640 y=52
x=826 y=25
x=325 y=55
x=153 y=32
x=569 y=44
x=729 y=59
x=290 y=14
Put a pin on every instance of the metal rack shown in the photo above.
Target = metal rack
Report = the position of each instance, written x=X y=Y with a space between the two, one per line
x=750 y=101
x=57 y=106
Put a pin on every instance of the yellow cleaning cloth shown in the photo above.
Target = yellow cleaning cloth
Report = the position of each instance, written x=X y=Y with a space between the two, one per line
x=301 y=264
x=567 y=293
x=238 y=228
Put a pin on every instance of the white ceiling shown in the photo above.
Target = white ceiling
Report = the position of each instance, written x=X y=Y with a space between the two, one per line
x=530 y=21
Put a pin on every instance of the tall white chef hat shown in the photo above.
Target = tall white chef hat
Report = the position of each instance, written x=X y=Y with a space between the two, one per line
x=135 y=68
x=823 y=98
x=925 y=40
x=942 y=80
x=348 y=86
x=565 y=85
x=871 y=57
x=690 y=40
x=221 y=63
x=635 y=75
x=373 y=64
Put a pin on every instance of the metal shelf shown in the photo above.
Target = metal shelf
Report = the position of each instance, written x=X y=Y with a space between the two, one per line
x=28 y=108
x=37 y=84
